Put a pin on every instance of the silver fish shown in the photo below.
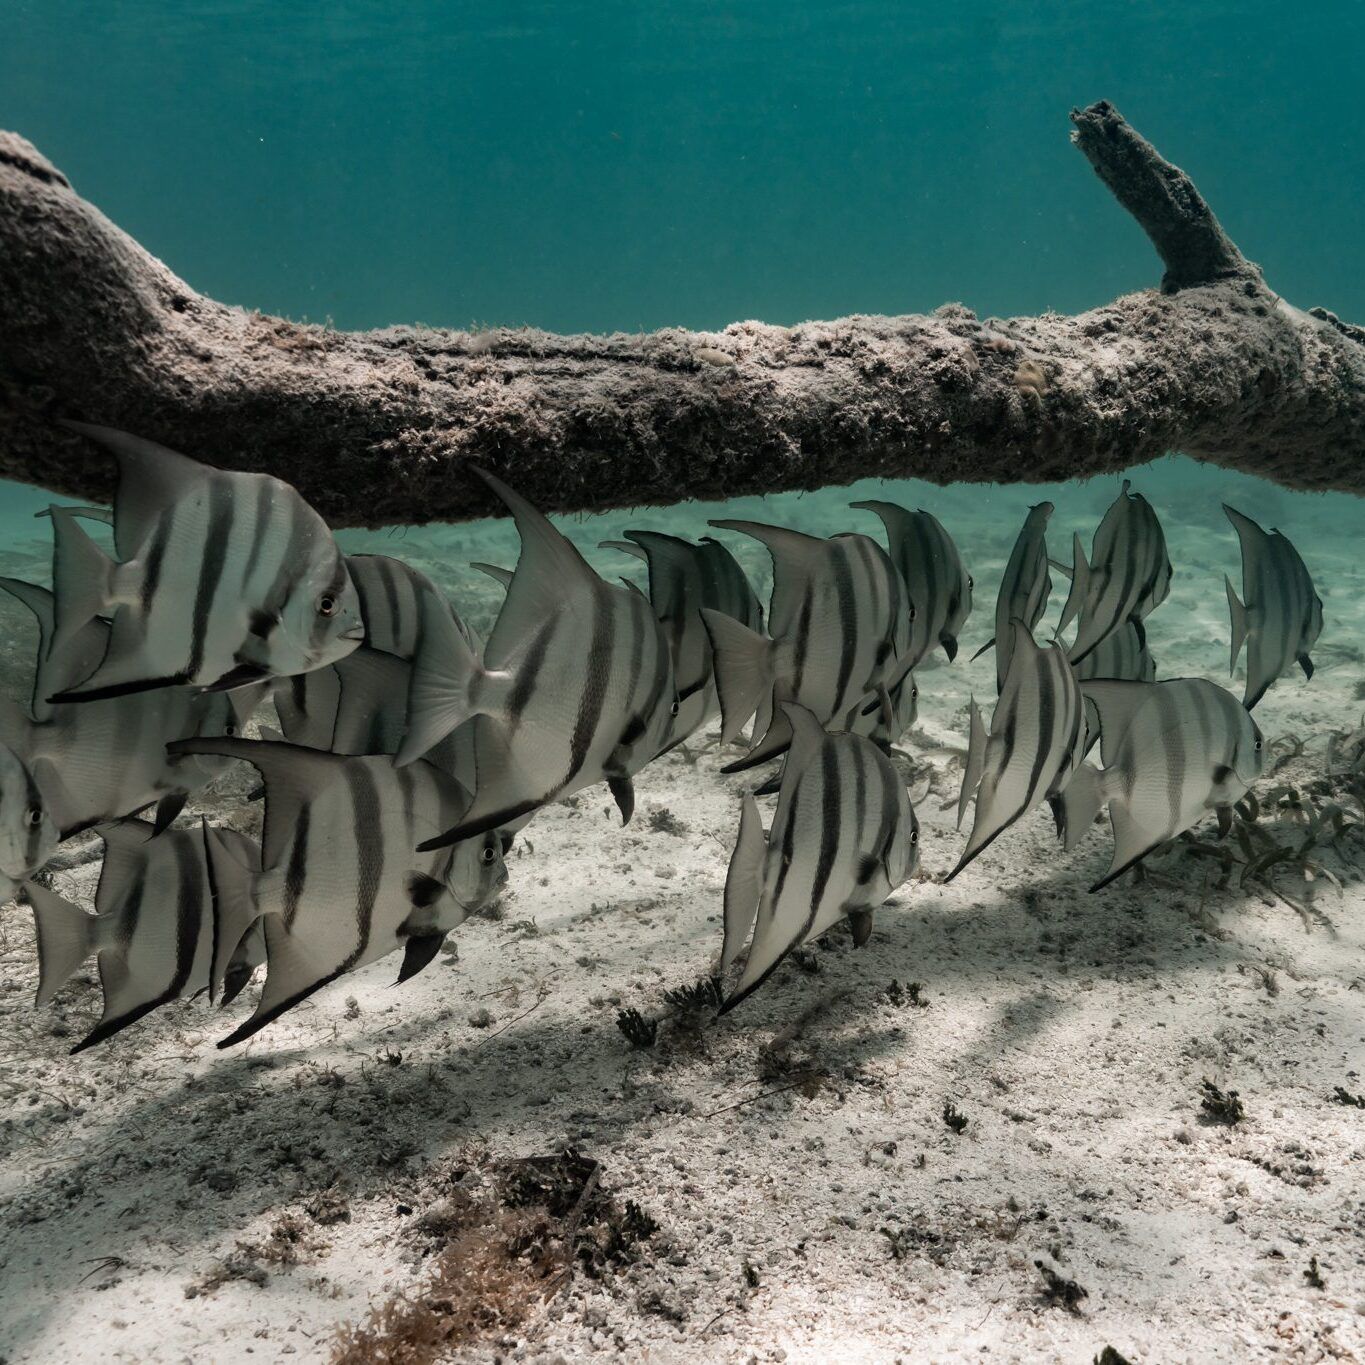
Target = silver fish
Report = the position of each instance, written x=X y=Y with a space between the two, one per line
x=1036 y=743
x=1127 y=578
x=938 y=583
x=153 y=930
x=839 y=633
x=391 y=595
x=843 y=839
x=360 y=706
x=1282 y=617
x=339 y=884
x=28 y=833
x=1024 y=589
x=575 y=685
x=1171 y=751
x=684 y=578
x=1123 y=656
x=222 y=578
x=105 y=759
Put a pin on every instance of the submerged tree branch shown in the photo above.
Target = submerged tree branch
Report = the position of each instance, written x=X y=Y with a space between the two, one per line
x=376 y=427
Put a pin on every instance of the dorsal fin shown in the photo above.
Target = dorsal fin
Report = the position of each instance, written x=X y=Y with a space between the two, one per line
x=550 y=574
x=1116 y=703
x=796 y=556
x=673 y=570
x=494 y=571
x=624 y=546
x=293 y=776
x=899 y=521
x=151 y=476
x=807 y=737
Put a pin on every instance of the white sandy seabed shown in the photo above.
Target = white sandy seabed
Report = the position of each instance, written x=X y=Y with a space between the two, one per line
x=839 y=1220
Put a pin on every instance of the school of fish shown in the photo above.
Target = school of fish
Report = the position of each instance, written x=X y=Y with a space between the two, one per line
x=405 y=754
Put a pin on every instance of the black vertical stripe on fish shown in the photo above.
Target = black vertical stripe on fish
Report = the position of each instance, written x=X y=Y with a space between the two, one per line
x=528 y=674
x=264 y=502
x=369 y=842
x=294 y=551
x=830 y=829
x=296 y=873
x=886 y=828
x=210 y=571
x=848 y=621
x=189 y=911
x=1047 y=720
x=788 y=847
x=594 y=695
x=389 y=578
x=801 y=645
x=154 y=562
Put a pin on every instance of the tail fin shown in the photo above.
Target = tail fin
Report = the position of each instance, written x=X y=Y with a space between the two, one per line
x=82 y=577
x=976 y=761
x=1077 y=805
x=743 y=669
x=67 y=935
x=445 y=674
x=1239 y=623
x=1080 y=585
x=233 y=885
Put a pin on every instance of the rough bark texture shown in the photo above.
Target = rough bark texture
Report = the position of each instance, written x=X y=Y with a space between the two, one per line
x=376 y=427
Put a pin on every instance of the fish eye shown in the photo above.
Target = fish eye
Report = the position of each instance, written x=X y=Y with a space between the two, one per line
x=1258 y=744
x=229 y=729
x=914 y=836
x=912 y=613
x=914 y=694
x=328 y=604
x=675 y=708
x=34 y=815
x=971 y=583
x=487 y=855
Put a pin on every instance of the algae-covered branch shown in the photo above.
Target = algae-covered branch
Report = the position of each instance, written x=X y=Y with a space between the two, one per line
x=377 y=427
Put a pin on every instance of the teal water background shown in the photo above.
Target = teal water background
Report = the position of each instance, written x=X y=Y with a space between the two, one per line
x=626 y=166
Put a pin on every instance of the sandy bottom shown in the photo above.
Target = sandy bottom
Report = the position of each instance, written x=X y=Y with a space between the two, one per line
x=812 y=1202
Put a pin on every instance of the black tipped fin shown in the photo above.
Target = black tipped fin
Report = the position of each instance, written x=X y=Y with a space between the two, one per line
x=623 y=793
x=420 y=950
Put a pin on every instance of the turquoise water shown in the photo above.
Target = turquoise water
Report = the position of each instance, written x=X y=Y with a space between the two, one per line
x=614 y=166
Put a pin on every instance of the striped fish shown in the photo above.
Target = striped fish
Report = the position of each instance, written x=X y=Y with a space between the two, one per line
x=28 y=833
x=843 y=839
x=221 y=578
x=106 y=759
x=575 y=685
x=153 y=929
x=1036 y=743
x=360 y=706
x=1282 y=617
x=340 y=885
x=391 y=594
x=1024 y=590
x=1171 y=751
x=1123 y=656
x=839 y=633
x=1128 y=577
x=684 y=578
x=939 y=585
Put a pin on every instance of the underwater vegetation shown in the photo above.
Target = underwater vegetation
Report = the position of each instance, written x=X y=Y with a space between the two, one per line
x=411 y=753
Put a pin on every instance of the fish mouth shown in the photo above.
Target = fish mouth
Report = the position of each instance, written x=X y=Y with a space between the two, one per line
x=355 y=633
